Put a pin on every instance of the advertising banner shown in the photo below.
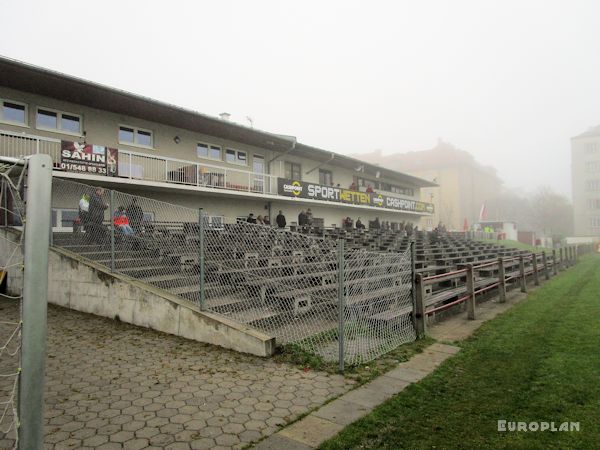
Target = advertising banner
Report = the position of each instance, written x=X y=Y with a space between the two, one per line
x=88 y=158
x=302 y=189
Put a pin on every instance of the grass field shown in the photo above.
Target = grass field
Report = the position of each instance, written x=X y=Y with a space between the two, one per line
x=521 y=246
x=539 y=361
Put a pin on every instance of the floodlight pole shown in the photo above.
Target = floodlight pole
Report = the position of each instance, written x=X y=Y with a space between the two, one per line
x=35 y=301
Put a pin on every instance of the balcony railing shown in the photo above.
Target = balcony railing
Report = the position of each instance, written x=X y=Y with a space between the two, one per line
x=141 y=166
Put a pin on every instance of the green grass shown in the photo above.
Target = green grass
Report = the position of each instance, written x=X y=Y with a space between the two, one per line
x=520 y=246
x=294 y=354
x=539 y=361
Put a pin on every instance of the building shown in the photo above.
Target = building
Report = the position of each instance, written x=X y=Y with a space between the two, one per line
x=463 y=183
x=585 y=178
x=105 y=136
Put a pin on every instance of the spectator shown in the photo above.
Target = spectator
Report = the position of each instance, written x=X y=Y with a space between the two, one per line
x=121 y=221
x=259 y=220
x=353 y=186
x=369 y=189
x=251 y=218
x=348 y=223
x=359 y=224
x=136 y=215
x=376 y=223
x=280 y=219
x=84 y=207
x=337 y=185
x=302 y=219
x=96 y=215
x=309 y=217
x=266 y=220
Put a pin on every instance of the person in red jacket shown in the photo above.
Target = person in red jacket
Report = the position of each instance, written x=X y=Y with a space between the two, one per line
x=121 y=221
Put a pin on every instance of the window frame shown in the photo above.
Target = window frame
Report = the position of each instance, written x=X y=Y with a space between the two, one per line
x=236 y=153
x=209 y=148
x=135 y=142
x=10 y=122
x=59 y=113
x=323 y=175
x=292 y=165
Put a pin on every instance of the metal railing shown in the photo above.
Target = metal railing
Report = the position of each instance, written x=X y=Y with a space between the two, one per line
x=143 y=166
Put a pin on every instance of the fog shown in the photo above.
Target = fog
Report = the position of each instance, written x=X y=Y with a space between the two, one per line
x=509 y=81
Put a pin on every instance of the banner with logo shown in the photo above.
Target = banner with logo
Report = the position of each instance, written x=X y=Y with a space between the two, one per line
x=302 y=189
x=88 y=158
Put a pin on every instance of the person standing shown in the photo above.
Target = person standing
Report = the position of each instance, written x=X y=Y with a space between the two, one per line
x=309 y=217
x=96 y=215
x=302 y=219
x=280 y=219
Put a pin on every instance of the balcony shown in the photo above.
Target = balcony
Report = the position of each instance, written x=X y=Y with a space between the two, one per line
x=141 y=166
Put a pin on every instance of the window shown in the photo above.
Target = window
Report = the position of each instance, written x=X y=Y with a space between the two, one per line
x=135 y=136
x=293 y=171
x=595 y=222
x=593 y=203
x=236 y=157
x=64 y=218
x=49 y=119
x=208 y=151
x=13 y=112
x=591 y=148
x=592 y=166
x=592 y=185
x=325 y=177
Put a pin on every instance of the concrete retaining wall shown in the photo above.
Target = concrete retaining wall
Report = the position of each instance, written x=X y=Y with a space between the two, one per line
x=88 y=287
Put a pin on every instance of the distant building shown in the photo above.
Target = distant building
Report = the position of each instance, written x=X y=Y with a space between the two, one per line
x=464 y=184
x=585 y=179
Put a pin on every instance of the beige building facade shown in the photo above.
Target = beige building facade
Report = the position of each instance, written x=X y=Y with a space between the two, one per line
x=585 y=179
x=463 y=184
x=184 y=157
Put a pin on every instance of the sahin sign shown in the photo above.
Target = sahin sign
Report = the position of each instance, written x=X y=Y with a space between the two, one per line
x=88 y=158
x=301 y=189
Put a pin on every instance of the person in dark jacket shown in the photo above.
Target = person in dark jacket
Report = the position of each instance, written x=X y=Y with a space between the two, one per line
x=96 y=215
x=251 y=218
x=280 y=219
x=359 y=224
x=302 y=219
x=136 y=215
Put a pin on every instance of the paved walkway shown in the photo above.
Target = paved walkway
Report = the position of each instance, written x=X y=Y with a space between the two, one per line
x=111 y=385
x=329 y=420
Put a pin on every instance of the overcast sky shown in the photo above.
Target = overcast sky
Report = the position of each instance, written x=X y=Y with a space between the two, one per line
x=509 y=81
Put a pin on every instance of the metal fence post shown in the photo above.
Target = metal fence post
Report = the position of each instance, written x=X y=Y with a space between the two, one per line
x=470 y=292
x=501 y=281
x=536 y=277
x=5 y=199
x=554 y=267
x=545 y=263
x=419 y=316
x=341 y=302
x=111 y=210
x=561 y=264
x=35 y=301
x=201 y=257
x=522 y=275
x=413 y=259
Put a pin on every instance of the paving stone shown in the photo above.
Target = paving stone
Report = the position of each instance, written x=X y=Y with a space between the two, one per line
x=342 y=412
x=311 y=431
x=108 y=381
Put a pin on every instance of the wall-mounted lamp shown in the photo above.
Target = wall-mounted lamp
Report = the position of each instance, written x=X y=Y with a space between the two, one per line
x=177 y=139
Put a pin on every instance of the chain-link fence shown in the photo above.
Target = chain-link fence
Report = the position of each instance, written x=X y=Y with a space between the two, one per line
x=283 y=283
